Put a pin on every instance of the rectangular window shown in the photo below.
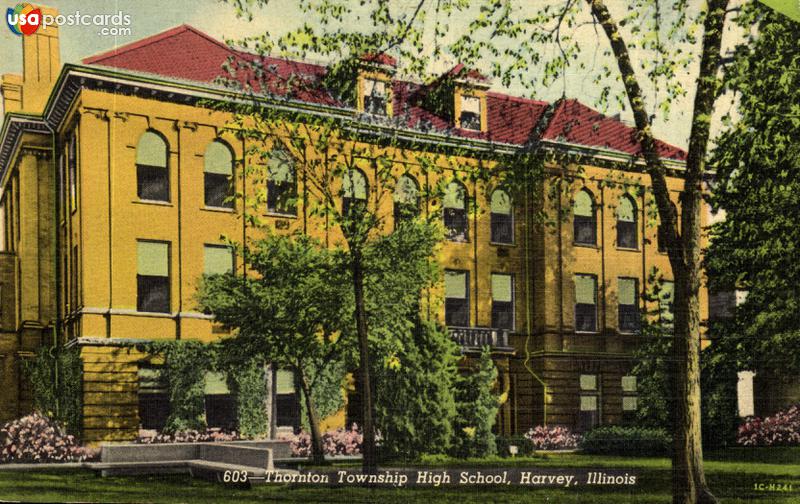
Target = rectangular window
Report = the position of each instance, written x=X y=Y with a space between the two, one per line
x=73 y=278
x=456 y=293
x=152 y=277
x=470 y=117
x=455 y=223
x=219 y=402
x=628 y=304
x=666 y=297
x=72 y=168
x=585 y=303
x=589 y=407
x=153 y=398
x=502 y=301
x=375 y=97
x=629 y=399
x=217 y=187
x=287 y=406
x=218 y=259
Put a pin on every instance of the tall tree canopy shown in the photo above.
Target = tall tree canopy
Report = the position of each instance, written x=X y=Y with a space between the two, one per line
x=755 y=247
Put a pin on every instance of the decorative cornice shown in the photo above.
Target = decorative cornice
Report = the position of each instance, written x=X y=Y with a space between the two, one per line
x=37 y=152
x=75 y=77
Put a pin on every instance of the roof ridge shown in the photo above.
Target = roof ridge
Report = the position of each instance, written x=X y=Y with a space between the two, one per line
x=138 y=44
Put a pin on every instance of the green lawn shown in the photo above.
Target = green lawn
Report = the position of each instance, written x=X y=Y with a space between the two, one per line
x=732 y=479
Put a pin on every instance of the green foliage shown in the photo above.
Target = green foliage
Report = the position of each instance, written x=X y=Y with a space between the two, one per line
x=416 y=408
x=185 y=366
x=627 y=441
x=295 y=313
x=719 y=396
x=477 y=407
x=55 y=378
x=755 y=248
x=328 y=391
x=524 y=445
x=248 y=385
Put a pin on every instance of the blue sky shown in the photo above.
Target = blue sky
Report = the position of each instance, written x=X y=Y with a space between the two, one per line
x=219 y=20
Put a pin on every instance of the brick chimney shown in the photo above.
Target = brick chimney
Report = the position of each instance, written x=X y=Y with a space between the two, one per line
x=41 y=63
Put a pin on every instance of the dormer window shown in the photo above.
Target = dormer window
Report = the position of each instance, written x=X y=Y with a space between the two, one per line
x=375 y=95
x=470 y=116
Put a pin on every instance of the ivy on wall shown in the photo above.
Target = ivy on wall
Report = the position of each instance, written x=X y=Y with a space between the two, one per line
x=55 y=378
x=248 y=384
x=185 y=367
x=186 y=364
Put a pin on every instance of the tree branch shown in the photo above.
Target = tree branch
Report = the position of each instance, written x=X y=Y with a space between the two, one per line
x=654 y=166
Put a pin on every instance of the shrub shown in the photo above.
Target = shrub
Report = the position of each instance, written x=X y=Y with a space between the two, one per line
x=630 y=441
x=555 y=437
x=780 y=429
x=337 y=442
x=477 y=406
x=523 y=444
x=37 y=438
x=416 y=409
x=55 y=378
x=190 y=436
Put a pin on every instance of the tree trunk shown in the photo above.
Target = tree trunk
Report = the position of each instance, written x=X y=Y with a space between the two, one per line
x=369 y=463
x=683 y=244
x=688 y=478
x=317 y=451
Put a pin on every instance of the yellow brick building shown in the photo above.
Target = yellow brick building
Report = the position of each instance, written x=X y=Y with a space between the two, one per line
x=113 y=182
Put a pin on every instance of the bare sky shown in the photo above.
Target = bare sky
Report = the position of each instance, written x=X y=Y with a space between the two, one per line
x=218 y=20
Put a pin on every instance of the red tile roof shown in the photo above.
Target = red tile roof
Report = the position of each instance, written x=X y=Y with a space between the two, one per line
x=186 y=53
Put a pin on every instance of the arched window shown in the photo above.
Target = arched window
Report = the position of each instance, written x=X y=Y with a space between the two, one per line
x=626 y=223
x=455 y=212
x=217 y=174
x=584 y=224
x=502 y=217
x=152 y=167
x=354 y=191
x=406 y=199
x=281 y=184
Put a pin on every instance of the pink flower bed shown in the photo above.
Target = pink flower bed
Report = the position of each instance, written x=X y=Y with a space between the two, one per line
x=337 y=442
x=780 y=429
x=552 y=438
x=192 y=436
x=36 y=438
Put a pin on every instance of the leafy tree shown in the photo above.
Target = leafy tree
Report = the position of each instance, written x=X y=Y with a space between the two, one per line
x=477 y=406
x=328 y=153
x=754 y=249
x=645 y=51
x=416 y=410
x=289 y=313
